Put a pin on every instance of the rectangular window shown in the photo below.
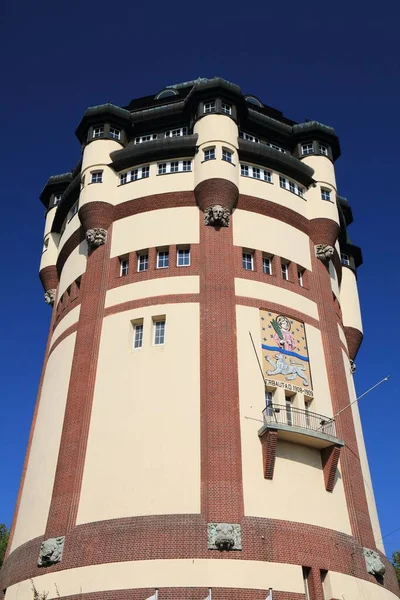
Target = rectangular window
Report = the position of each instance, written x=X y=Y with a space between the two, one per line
x=248 y=261
x=248 y=137
x=227 y=155
x=186 y=165
x=269 y=403
x=134 y=175
x=174 y=166
x=267 y=176
x=159 y=333
x=145 y=172
x=209 y=107
x=145 y=138
x=138 y=335
x=306 y=574
x=274 y=146
x=291 y=186
x=285 y=271
x=300 y=274
x=98 y=132
x=183 y=257
x=226 y=108
x=97 y=177
x=325 y=194
x=267 y=265
x=345 y=259
x=123 y=178
x=176 y=132
x=57 y=199
x=323 y=150
x=209 y=154
x=123 y=266
x=162 y=168
x=244 y=170
x=162 y=259
x=143 y=262
x=307 y=411
x=256 y=173
x=289 y=414
x=307 y=149
x=115 y=134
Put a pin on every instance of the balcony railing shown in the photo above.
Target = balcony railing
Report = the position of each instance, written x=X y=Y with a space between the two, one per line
x=299 y=418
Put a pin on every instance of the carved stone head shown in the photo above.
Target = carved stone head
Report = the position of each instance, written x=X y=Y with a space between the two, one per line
x=352 y=366
x=217 y=215
x=224 y=536
x=51 y=551
x=50 y=297
x=324 y=252
x=96 y=237
x=373 y=563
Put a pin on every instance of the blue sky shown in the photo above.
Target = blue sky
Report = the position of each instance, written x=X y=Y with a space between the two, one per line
x=337 y=63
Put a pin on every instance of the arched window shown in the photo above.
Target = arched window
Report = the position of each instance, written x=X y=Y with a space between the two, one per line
x=166 y=94
x=253 y=100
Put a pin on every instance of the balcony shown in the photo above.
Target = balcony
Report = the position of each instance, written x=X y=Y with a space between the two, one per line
x=303 y=427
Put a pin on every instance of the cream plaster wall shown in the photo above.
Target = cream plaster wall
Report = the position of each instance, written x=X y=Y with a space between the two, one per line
x=324 y=170
x=48 y=220
x=349 y=300
x=228 y=573
x=251 y=230
x=50 y=254
x=273 y=192
x=267 y=292
x=98 y=152
x=38 y=487
x=322 y=402
x=69 y=319
x=99 y=192
x=153 y=287
x=73 y=268
x=338 y=585
x=219 y=131
x=298 y=475
x=154 y=184
x=70 y=228
x=143 y=454
x=362 y=453
x=156 y=228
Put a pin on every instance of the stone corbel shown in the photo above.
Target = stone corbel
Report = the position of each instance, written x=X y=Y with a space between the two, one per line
x=373 y=563
x=324 y=252
x=217 y=215
x=51 y=551
x=224 y=536
x=96 y=237
x=50 y=296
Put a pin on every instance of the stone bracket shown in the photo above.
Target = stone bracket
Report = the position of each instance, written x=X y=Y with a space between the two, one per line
x=330 y=458
x=224 y=536
x=51 y=551
x=269 y=440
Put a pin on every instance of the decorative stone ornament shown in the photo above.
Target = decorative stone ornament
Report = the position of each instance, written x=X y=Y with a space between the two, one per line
x=51 y=551
x=352 y=366
x=50 y=297
x=217 y=215
x=224 y=536
x=373 y=563
x=96 y=237
x=324 y=252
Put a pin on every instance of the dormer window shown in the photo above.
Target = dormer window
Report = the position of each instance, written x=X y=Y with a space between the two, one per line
x=166 y=94
x=345 y=259
x=323 y=150
x=226 y=109
x=176 y=132
x=209 y=107
x=98 y=132
x=253 y=100
x=307 y=149
x=57 y=199
x=115 y=134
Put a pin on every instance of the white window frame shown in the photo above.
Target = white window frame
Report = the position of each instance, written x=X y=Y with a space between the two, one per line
x=178 y=132
x=145 y=138
x=209 y=154
x=267 y=260
x=289 y=412
x=274 y=146
x=248 y=137
x=164 y=252
x=157 y=323
x=326 y=194
x=323 y=150
x=226 y=109
x=255 y=173
x=138 y=335
x=307 y=149
x=300 y=276
x=123 y=267
x=57 y=199
x=245 y=260
x=291 y=186
x=142 y=259
x=96 y=177
x=345 y=259
x=285 y=270
x=178 y=254
x=115 y=133
x=98 y=132
x=174 y=166
x=209 y=107
x=142 y=172
x=269 y=402
x=227 y=155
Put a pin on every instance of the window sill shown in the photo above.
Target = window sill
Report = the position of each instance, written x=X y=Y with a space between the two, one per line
x=208 y=160
x=159 y=268
x=94 y=182
x=132 y=181
x=174 y=173
x=183 y=265
x=258 y=179
x=294 y=193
